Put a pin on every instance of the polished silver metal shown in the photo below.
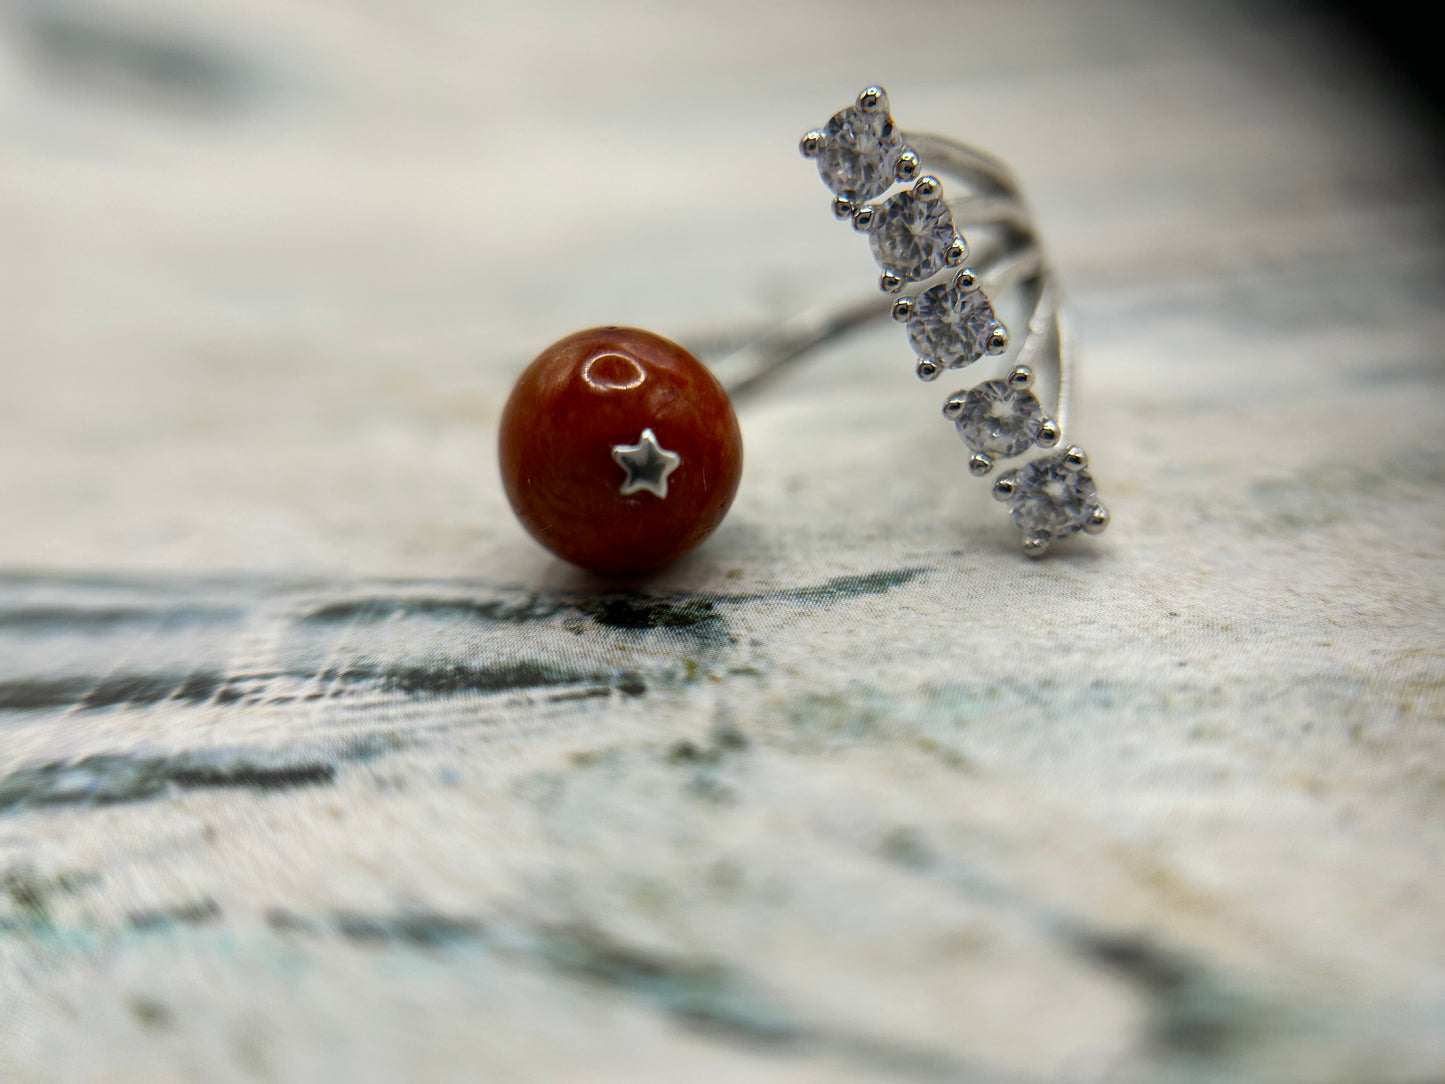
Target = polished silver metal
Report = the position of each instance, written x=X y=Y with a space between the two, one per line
x=1007 y=262
x=647 y=464
x=1034 y=545
x=927 y=187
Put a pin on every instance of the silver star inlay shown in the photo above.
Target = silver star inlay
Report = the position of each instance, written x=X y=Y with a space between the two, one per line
x=647 y=464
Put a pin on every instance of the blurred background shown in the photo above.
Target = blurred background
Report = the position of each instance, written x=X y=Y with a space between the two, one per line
x=312 y=764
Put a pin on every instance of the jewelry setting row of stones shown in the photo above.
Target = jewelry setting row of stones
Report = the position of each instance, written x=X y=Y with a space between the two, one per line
x=863 y=158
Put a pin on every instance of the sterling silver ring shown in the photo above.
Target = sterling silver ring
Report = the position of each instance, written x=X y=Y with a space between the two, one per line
x=887 y=183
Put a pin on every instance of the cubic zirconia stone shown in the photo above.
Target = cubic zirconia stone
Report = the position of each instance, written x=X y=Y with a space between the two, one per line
x=951 y=326
x=910 y=235
x=858 y=152
x=998 y=420
x=1050 y=501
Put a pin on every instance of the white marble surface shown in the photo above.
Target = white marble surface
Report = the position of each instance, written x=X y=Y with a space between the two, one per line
x=396 y=796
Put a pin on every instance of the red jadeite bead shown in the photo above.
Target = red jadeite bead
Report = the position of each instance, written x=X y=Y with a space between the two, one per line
x=590 y=393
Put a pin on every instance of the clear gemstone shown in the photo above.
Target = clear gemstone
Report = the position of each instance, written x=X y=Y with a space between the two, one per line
x=951 y=326
x=911 y=235
x=997 y=419
x=1050 y=501
x=858 y=152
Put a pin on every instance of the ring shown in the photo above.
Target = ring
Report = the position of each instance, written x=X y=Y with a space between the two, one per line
x=914 y=233
x=620 y=451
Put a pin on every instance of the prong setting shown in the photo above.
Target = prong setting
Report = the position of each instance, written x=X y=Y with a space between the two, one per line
x=1035 y=546
x=928 y=188
x=873 y=100
x=860 y=155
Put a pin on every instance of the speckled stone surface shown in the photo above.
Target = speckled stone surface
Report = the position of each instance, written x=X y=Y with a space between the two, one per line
x=313 y=766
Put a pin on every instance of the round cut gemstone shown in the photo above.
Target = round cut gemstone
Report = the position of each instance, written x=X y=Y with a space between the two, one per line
x=1050 y=501
x=950 y=325
x=911 y=234
x=858 y=152
x=997 y=419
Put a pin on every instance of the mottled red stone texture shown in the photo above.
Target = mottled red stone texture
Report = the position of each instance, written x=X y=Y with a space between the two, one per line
x=590 y=392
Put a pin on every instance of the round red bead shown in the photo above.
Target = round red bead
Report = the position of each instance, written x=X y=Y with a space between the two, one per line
x=600 y=390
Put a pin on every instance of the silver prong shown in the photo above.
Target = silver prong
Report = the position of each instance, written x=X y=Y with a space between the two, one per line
x=1003 y=489
x=873 y=100
x=980 y=464
x=1048 y=434
x=1097 y=521
x=889 y=283
x=997 y=340
x=902 y=309
x=927 y=370
x=1021 y=378
x=862 y=219
x=1035 y=547
x=811 y=144
x=957 y=252
x=906 y=167
x=1075 y=458
x=966 y=281
x=954 y=407
x=842 y=207
x=927 y=188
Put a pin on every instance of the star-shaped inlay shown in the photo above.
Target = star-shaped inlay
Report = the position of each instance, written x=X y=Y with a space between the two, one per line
x=647 y=464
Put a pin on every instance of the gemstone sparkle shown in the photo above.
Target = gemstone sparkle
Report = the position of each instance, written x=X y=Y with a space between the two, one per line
x=1049 y=500
x=858 y=152
x=911 y=235
x=996 y=419
x=951 y=325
